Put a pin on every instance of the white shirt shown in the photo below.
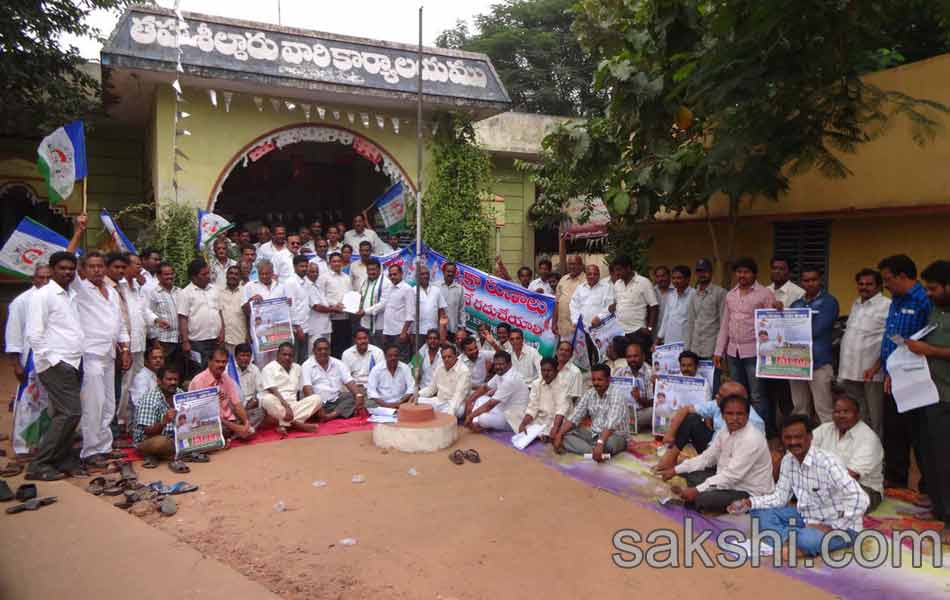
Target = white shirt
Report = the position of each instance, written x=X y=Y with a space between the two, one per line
x=633 y=299
x=353 y=238
x=861 y=344
x=451 y=386
x=454 y=296
x=788 y=293
x=322 y=266
x=328 y=382
x=590 y=302
x=219 y=272
x=266 y=292
x=400 y=307
x=250 y=383
x=144 y=382
x=359 y=365
x=101 y=318
x=428 y=365
x=512 y=393
x=162 y=303
x=528 y=364
x=742 y=460
x=334 y=285
x=373 y=302
x=15 y=335
x=317 y=323
x=540 y=284
x=390 y=387
x=478 y=368
x=52 y=327
x=150 y=280
x=571 y=380
x=200 y=306
x=545 y=402
x=430 y=301
x=675 y=316
x=288 y=383
x=358 y=274
x=298 y=291
x=859 y=449
x=140 y=315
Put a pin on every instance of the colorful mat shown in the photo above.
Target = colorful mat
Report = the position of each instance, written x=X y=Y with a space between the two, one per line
x=629 y=476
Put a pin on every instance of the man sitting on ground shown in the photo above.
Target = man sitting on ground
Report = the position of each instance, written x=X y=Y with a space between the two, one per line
x=641 y=393
x=281 y=379
x=327 y=377
x=154 y=429
x=478 y=362
x=855 y=443
x=251 y=389
x=450 y=385
x=524 y=358
x=500 y=403
x=234 y=421
x=609 y=416
x=735 y=466
x=390 y=383
x=828 y=498
x=548 y=403
x=361 y=357
x=146 y=379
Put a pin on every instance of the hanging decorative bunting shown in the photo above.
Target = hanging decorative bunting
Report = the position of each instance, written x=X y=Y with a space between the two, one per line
x=351 y=117
x=336 y=115
x=435 y=128
x=259 y=103
x=178 y=167
x=213 y=95
x=180 y=68
x=181 y=153
x=395 y=124
x=364 y=117
x=183 y=115
x=275 y=103
x=322 y=112
x=177 y=87
x=290 y=105
x=306 y=110
x=227 y=100
x=380 y=122
x=179 y=132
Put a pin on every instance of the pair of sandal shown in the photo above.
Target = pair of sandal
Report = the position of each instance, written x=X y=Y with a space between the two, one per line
x=100 y=486
x=459 y=456
x=24 y=493
x=34 y=504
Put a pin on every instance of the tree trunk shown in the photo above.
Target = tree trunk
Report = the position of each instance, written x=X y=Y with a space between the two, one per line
x=730 y=242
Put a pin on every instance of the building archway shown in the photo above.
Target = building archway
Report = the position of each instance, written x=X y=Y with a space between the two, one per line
x=304 y=172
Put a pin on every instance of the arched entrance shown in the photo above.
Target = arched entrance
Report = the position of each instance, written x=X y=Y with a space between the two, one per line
x=305 y=172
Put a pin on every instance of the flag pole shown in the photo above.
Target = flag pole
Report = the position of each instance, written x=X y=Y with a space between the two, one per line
x=85 y=233
x=417 y=338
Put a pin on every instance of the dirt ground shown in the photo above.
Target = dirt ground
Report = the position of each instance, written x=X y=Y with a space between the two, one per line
x=506 y=528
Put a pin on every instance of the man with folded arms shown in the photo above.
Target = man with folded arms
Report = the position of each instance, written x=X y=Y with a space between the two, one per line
x=735 y=466
x=548 y=403
x=234 y=420
x=390 y=383
x=609 y=416
x=450 y=384
x=281 y=379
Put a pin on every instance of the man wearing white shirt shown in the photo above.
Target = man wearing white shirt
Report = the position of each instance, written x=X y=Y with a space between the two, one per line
x=478 y=362
x=358 y=268
x=199 y=319
x=525 y=359
x=785 y=290
x=373 y=301
x=548 y=403
x=361 y=357
x=321 y=257
x=399 y=312
x=450 y=385
x=569 y=377
x=359 y=234
x=15 y=342
x=499 y=404
x=54 y=333
x=317 y=324
x=151 y=259
x=637 y=305
x=265 y=288
x=335 y=284
x=593 y=299
x=454 y=296
x=281 y=381
x=429 y=356
x=734 y=467
x=676 y=311
x=297 y=287
x=861 y=349
x=145 y=380
x=859 y=448
x=431 y=303
x=334 y=244
x=540 y=283
x=220 y=262
x=662 y=289
x=390 y=383
x=231 y=302
x=327 y=377
x=263 y=238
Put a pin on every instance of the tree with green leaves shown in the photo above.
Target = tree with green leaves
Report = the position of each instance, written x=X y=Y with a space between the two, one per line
x=45 y=83
x=536 y=54
x=730 y=99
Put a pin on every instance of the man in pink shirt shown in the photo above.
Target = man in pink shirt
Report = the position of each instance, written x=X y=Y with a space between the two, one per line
x=234 y=421
x=735 y=345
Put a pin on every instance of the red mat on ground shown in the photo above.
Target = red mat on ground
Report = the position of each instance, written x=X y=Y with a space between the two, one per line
x=335 y=427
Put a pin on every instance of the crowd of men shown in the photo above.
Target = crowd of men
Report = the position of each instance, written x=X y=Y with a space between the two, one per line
x=113 y=338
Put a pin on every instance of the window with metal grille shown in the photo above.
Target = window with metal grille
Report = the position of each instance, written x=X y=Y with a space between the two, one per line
x=804 y=244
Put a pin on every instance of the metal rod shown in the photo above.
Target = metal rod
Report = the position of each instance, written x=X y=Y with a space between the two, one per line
x=418 y=340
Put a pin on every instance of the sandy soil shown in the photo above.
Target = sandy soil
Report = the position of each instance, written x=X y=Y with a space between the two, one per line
x=507 y=528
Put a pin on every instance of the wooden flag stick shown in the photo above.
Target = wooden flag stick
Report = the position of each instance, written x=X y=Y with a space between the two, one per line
x=85 y=233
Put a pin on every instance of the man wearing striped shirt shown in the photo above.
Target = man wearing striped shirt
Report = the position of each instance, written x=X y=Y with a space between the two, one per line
x=610 y=420
x=829 y=499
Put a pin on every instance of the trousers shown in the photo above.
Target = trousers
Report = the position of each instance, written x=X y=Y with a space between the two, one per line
x=443 y=407
x=138 y=363
x=933 y=430
x=814 y=394
x=808 y=539
x=63 y=383
x=581 y=440
x=713 y=501
x=159 y=446
x=693 y=431
x=98 y=404
x=742 y=370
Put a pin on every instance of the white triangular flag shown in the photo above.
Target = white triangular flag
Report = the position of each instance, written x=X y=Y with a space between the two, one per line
x=227 y=100
x=259 y=103
x=380 y=122
x=396 y=124
x=322 y=112
x=214 y=98
x=177 y=87
x=275 y=103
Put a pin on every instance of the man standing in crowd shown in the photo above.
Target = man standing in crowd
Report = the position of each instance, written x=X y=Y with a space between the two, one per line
x=360 y=233
x=220 y=262
x=637 y=305
x=263 y=239
x=676 y=311
x=151 y=260
x=199 y=319
x=372 y=302
x=609 y=420
x=909 y=311
x=861 y=349
x=334 y=245
x=933 y=422
x=265 y=288
x=398 y=313
x=704 y=316
x=783 y=288
x=136 y=315
x=735 y=345
x=540 y=283
x=335 y=284
x=816 y=394
x=428 y=357
x=230 y=301
x=662 y=289
x=563 y=294
x=432 y=305
x=16 y=345
x=54 y=333
x=454 y=297
x=593 y=300
x=297 y=287
x=278 y=253
x=162 y=300
x=358 y=268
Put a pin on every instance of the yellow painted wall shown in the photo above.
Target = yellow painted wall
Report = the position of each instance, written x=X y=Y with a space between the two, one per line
x=517 y=236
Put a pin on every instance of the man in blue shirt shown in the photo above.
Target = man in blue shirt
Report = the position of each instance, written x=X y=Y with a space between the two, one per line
x=816 y=394
x=910 y=309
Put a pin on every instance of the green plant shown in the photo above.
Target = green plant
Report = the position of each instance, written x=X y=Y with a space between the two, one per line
x=175 y=233
x=454 y=222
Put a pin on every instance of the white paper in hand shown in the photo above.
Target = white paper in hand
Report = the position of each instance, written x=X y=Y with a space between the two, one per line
x=351 y=302
x=911 y=384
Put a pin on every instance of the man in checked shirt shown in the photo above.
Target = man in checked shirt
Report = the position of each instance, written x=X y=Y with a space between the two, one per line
x=829 y=499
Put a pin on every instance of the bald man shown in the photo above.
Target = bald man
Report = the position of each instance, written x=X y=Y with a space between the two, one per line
x=698 y=425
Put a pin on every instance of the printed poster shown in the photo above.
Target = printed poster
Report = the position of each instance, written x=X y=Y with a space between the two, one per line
x=197 y=421
x=707 y=370
x=671 y=393
x=270 y=327
x=626 y=386
x=604 y=334
x=783 y=343
x=666 y=359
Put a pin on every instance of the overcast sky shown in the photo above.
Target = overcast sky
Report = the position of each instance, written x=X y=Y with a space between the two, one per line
x=389 y=20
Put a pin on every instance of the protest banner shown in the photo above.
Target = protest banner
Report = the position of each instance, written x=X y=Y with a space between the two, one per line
x=197 y=421
x=604 y=333
x=673 y=392
x=783 y=343
x=270 y=327
x=666 y=359
x=626 y=385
